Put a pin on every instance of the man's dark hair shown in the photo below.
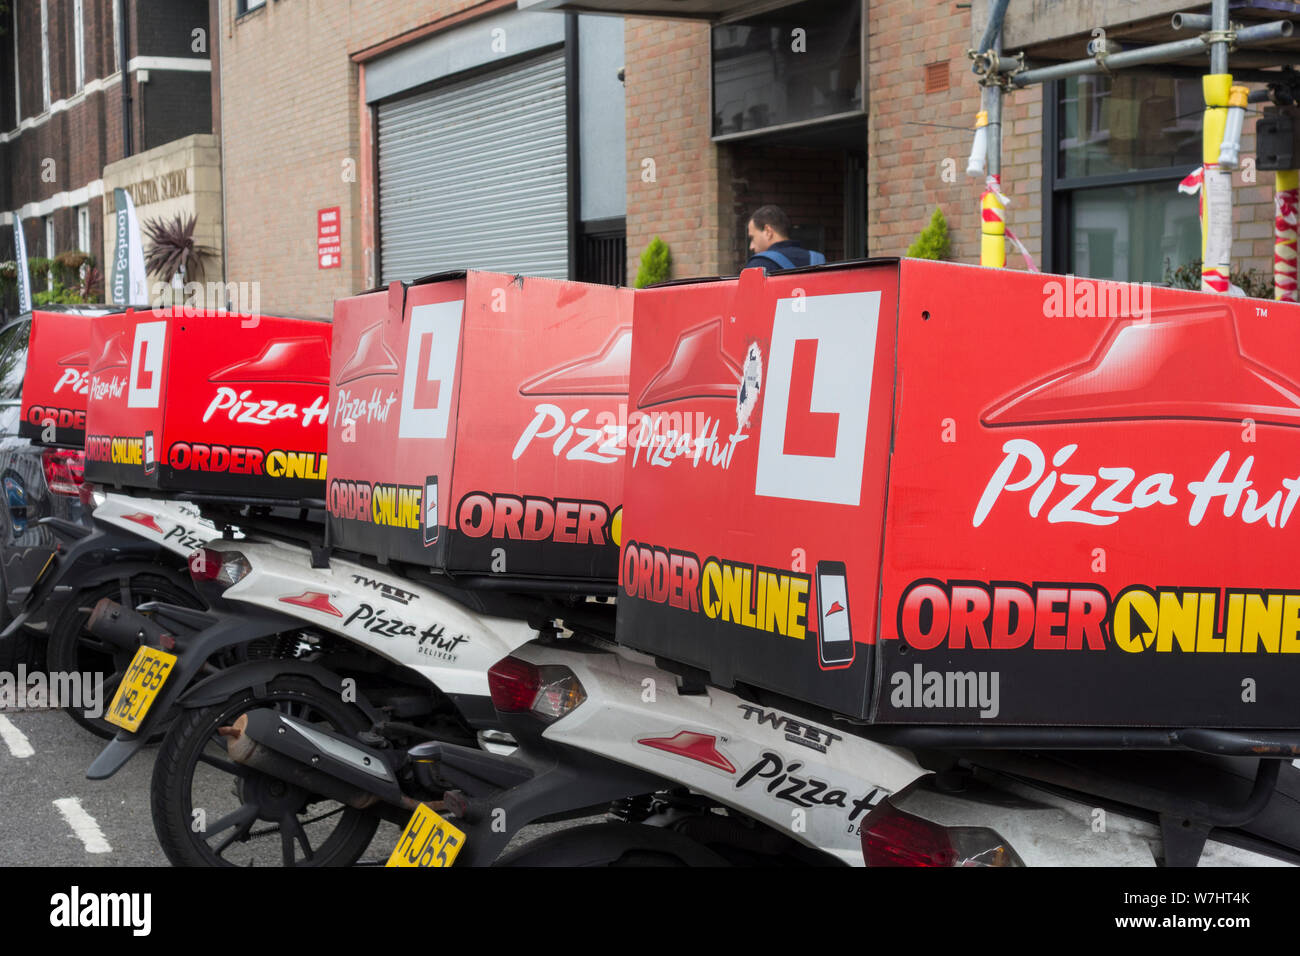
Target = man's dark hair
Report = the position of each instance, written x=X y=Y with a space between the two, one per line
x=773 y=216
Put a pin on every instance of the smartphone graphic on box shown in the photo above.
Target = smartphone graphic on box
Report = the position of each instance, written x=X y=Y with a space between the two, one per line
x=150 y=460
x=430 y=510
x=834 y=633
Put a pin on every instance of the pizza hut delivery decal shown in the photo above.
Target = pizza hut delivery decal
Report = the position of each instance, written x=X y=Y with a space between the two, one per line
x=1091 y=519
x=209 y=403
x=480 y=424
x=764 y=435
x=1083 y=520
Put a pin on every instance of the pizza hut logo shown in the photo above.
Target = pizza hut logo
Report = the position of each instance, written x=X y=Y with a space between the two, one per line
x=1182 y=364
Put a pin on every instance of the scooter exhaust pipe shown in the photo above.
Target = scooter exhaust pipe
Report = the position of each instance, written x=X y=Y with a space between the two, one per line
x=123 y=626
x=243 y=749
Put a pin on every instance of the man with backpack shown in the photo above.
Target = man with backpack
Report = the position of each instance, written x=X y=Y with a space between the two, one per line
x=771 y=245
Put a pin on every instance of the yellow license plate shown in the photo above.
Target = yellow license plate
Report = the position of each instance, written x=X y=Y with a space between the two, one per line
x=428 y=840
x=149 y=670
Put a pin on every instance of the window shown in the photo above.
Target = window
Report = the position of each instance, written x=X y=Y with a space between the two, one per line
x=18 y=98
x=1115 y=149
x=83 y=229
x=78 y=45
x=798 y=64
x=117 y=34
x=49 y=250
x=45 y=55
x=244 y=6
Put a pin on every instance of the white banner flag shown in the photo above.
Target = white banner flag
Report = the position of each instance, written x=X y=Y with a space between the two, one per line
x=128 y=284
x=24 y=277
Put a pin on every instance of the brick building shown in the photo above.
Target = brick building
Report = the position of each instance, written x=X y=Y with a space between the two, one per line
x=494 y=133
x=66 y=115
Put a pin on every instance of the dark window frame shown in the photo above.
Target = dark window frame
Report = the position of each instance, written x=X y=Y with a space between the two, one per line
x=863 y=69
x=1058 y=224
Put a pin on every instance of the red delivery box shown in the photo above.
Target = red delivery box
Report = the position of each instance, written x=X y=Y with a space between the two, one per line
x=209 y=402
x=917 y=492
x=57 y=378
x=478 y=422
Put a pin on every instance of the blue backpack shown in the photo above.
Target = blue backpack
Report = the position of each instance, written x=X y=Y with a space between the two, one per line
x=783 y=261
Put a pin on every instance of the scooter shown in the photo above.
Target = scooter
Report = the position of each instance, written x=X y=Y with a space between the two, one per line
x=395 y=659
x=1175 y=799
x=692 y=774
x=134 y=553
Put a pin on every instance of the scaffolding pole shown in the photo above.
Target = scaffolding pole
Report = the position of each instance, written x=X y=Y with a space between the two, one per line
x=998 y=74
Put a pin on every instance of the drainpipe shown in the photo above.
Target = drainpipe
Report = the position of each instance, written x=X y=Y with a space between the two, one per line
x=124 y=48
x=993 y=243
x=1216 y=184
x=221 y=143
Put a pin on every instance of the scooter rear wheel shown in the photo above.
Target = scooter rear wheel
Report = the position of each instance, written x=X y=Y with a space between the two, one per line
x=210 y=811
x=74 y=650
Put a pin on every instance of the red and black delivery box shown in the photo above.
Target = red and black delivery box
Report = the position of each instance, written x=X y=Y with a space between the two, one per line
x=917 y=492
x=209 y=402
x=477 y=425
x=56 y=378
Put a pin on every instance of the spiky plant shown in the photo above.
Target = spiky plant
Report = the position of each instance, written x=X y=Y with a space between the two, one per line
x=170 y=248
x=656 y=264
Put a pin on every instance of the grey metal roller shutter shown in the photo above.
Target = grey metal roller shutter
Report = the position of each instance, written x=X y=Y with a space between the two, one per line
x=473 y=176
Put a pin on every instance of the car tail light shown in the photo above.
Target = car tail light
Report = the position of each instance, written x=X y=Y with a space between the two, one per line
x=547 y=692
x=891 y=837
x=65 y=468
x=223 y=567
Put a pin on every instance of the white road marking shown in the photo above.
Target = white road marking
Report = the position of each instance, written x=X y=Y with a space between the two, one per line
x=83 y=825
x=14 y=738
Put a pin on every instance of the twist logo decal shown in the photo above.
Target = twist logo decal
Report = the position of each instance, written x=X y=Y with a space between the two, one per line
x=813 y=436
x=145 y=382
x=430 y=375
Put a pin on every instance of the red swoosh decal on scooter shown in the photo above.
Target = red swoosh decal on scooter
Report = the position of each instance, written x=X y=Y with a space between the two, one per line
x=688 y=743
x=314 y=600
x=142 y=518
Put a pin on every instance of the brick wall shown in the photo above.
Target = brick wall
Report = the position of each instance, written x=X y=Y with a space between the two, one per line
x=689 y=203
x=284 y=153
x=66 y=150
x=918 y=141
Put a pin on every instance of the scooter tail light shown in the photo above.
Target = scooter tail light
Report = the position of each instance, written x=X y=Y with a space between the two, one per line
x=891 y=837
x=65 y=468
x=219 y=567
x=548 y=692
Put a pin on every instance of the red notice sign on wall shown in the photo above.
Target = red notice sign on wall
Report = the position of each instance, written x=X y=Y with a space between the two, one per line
x=329 y=243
